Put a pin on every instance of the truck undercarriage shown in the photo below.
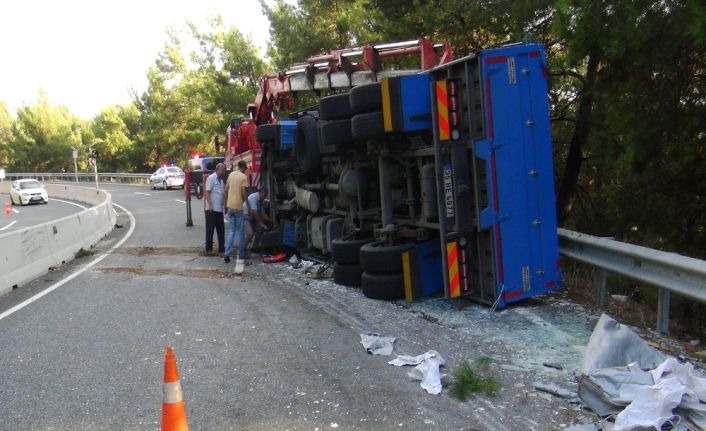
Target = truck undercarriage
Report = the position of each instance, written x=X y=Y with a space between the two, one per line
x=412 y=181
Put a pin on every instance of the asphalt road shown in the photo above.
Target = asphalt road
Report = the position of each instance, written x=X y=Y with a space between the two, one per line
x=270 y=350
x=30 y=215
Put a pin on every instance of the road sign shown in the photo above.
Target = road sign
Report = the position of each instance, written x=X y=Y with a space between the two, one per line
x=92 y=161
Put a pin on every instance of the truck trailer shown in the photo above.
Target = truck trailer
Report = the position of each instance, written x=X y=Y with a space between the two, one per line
x=413 y=182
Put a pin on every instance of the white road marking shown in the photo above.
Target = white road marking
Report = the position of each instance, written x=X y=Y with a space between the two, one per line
x=9 y=225
x=139 y=193
x=77 y=273
x=69 y=202
x=180 y=201
x=15 y=210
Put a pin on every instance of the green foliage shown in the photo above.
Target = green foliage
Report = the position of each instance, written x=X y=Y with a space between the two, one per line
x=41 y=137
x=192 y=94
x=472 y=378
x=317 y=26
x=5 y=133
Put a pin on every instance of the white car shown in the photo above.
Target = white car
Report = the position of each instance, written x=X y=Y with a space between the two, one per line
x=28 y=191
x=167 y=177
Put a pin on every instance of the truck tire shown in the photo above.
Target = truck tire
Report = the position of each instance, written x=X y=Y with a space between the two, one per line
x=366 y=98
x=336 y=132
x=306 y=146
x=377 y=258
x=270 y=240
x=347 y=251
x=368 y=126
x=347 y=275
x=383 y=286
x=335 y=107
x=267 y=132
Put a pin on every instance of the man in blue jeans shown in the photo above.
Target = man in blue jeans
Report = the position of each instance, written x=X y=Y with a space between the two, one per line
x=235 y=193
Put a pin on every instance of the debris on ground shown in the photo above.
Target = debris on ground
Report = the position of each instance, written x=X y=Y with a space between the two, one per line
x=83 y=253
x=553 y=365
x=554 y=390
x=311 y=270
x=426 y=370
x=623 y=376
x=376 y=344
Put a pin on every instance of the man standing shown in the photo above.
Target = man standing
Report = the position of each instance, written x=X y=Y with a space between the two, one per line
x=213 y=201
x=258 y=217
x=236 y=195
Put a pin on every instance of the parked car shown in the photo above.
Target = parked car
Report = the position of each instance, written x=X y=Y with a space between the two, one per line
x=167 y=177
x=28 y=191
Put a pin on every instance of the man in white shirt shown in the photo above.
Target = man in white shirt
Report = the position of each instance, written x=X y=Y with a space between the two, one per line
x=213 y=202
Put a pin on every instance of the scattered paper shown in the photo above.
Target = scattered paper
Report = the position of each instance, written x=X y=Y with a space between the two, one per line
x=426 y=370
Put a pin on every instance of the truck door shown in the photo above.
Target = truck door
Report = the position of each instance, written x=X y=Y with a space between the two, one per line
x=521 y=168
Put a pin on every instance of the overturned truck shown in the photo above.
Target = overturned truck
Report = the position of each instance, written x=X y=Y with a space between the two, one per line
x=411 y=181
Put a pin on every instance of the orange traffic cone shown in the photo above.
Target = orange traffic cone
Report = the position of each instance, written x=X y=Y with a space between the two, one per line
x=7 y=207
x=173 y=411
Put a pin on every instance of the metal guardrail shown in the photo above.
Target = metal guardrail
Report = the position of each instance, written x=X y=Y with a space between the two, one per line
x=670 y=272
x=82 y=176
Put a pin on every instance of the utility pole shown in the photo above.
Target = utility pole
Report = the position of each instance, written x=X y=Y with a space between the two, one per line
x=74 y=153
x=95 y=166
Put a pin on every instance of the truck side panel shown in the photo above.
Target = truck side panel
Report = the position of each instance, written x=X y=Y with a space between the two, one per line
x=524 y=223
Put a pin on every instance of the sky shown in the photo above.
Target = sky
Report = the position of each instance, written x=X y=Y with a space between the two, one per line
x=88 y=54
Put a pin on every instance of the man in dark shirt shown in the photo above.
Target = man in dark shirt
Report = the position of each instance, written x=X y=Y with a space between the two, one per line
x=258 y=217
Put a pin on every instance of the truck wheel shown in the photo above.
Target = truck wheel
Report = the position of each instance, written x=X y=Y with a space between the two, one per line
x=335 y=107
x=383 y=286
x=347 y=275
x=347 y=251
x=366 y=98
x=306 y=146
x=377 y=258
x=336 y=132
x=368 y=126
x=270 y=240
x=267 y=132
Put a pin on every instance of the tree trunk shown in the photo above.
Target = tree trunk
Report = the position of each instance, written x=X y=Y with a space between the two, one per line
x=574 y=158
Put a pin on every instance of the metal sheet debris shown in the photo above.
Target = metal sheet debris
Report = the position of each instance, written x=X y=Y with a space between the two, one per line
x=622 y=375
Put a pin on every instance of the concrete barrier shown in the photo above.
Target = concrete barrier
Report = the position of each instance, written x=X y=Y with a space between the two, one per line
x=29 y=253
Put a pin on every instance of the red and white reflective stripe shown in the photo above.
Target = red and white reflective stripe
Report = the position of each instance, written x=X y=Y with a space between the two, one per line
x=256 y=179
x=172 y=393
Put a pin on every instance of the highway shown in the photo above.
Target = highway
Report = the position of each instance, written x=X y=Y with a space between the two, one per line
x=30 y=215
x=270 y=350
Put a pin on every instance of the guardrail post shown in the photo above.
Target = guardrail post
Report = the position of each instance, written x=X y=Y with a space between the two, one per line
x=601 y=288
x=663 y=303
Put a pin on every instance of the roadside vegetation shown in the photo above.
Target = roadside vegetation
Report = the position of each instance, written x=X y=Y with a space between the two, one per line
x=476 y=377
x=627 y=93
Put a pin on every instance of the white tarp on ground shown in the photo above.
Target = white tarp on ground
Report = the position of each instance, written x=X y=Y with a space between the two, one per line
x=426 y=370
x=622 y=375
